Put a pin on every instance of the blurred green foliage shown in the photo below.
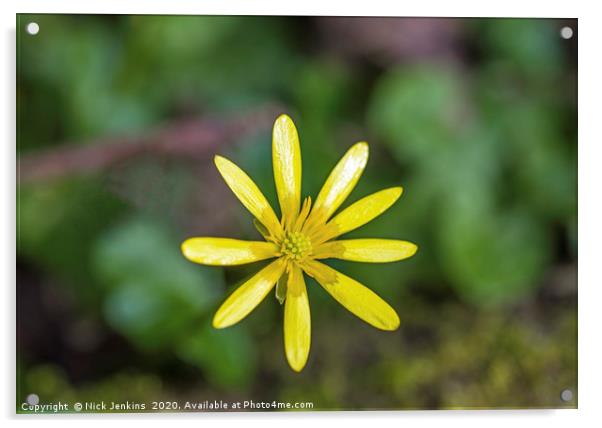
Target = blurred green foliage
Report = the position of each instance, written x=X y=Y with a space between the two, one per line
x=50 y=381
x=483 y=142
x=154 y=293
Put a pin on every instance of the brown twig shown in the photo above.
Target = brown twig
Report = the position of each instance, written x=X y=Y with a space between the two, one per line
x=187 y=138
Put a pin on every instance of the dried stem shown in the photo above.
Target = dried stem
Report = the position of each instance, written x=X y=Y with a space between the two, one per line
x=188 y=138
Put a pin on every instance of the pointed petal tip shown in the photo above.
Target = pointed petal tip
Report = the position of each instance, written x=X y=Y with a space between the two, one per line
x=362 y=151
x=297 y=368
x=362 y=146
x=217 y=323
x=283 y=118
x=219 y=160
x=298 y=365
x=395 y=193
x=184 y=248
x=392 y=321
x=393 y=326
x=284 y=123
x=187 y=249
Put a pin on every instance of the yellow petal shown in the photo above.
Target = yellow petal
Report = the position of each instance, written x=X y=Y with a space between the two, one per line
x=361 y=212
x=340 y=182
x=249 y=194
x=227 y=252
x=356 y=298
x=286 y=159
x=302 y=215
x=366 y=250
x=246 y=297
x=297 y=321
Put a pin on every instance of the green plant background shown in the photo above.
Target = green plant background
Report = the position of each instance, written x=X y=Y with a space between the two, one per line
x=475 y=118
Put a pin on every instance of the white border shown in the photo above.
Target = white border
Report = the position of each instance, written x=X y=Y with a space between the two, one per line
x=590 y=183
x=462 y=8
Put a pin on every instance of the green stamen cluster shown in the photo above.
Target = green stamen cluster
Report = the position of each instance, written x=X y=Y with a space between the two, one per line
x=295 y=246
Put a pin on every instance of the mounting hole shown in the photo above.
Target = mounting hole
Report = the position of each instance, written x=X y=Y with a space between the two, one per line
x=32 y=28
x=33 y=399
x=566 y=395
x=566 y=32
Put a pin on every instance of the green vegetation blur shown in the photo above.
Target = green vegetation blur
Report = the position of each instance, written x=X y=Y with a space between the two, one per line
x=475 y=118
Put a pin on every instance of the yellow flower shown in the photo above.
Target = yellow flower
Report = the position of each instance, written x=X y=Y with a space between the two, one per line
x=303 y=236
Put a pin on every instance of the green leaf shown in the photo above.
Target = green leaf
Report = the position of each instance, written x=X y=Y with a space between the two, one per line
x=58 y=223
x=492 y=257
x=530 y=46
x=228 y=356
x=417 y=111
x=154 y=293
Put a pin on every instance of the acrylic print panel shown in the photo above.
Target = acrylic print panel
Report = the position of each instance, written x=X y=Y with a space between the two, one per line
x=169 y=258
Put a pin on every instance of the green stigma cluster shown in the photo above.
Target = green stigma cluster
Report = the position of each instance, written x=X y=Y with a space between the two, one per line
x=295 y=246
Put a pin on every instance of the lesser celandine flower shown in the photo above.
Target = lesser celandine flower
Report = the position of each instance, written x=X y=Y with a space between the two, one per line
x=303 y=236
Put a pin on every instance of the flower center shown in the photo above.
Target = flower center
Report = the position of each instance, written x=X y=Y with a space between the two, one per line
x=295 y=246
